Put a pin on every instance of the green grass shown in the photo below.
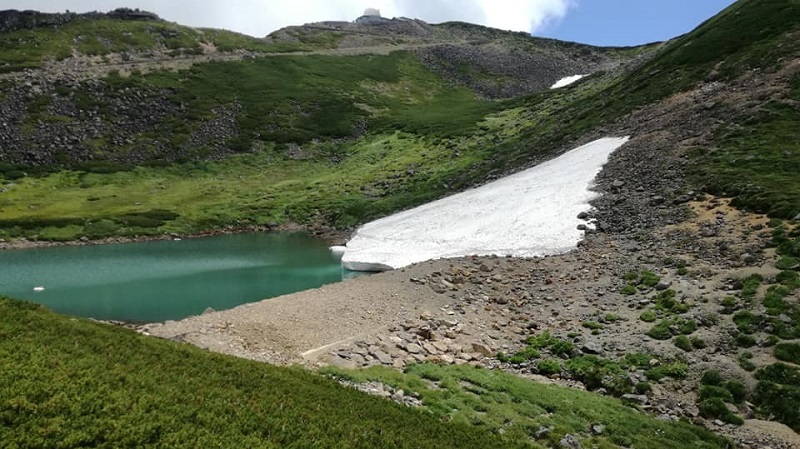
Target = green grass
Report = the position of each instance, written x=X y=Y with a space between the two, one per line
x=778 y=393
x=750 y=286
x=675 y=370
x=30 y=48
x=597 y=372
x=648 y=316
x=70 y=383
x=683 y=342
x=747 y=322
x=666 y=302
x=304 y=100
x=788 y=352
x=494 y=400
x=757 y=163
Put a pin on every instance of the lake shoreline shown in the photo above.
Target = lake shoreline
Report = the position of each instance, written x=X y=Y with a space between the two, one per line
x=332 y=236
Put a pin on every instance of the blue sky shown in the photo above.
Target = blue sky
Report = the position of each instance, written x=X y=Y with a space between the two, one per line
x=599 y=22
x=631 y=22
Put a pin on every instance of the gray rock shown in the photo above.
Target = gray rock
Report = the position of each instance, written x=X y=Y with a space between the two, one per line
x=570 y=442
x=663 y=285
x=398 y=396
x=543 y=432
x=598 y=429
x=438 y=287
x=208 y=311
x=430 y=349
x=481 y=348
x=413 y=348
x=635 y=398
x=382 y=357
x=592 y=347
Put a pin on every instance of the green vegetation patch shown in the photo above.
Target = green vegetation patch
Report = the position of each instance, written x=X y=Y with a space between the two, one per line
x=683 y=342
x=666 y=301
x=29 y=48
x=74 y=383
x=666 y=328
x=758 y=162
x=788 y=352
x=648 y=316
x=494 y=400
x=750 y=286
x=675 y=370
x=747 y=322
x=715 y=407
x=778 y=393
x=639 y=281
x=597 y=372
x=745 y=359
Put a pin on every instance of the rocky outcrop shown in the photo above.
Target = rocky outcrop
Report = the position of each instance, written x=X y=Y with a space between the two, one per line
x=495 y=70
x=12 y=20
x=72 y=123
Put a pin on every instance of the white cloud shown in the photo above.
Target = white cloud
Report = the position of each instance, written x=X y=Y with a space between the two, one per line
x=524 y=15
x=260 y=17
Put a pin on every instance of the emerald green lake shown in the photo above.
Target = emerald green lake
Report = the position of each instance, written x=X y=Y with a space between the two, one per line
x=167 y=280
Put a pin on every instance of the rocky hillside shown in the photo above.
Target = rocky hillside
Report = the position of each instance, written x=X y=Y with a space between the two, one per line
x=93 y=101
x=494 y=63
x=13 y=20
x=376 y=116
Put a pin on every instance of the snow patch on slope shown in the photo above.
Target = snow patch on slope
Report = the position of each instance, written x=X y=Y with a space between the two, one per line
x=529 y=214
x=564 y=82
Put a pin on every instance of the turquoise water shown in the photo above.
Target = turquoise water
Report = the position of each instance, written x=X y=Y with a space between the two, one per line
x=167 y=280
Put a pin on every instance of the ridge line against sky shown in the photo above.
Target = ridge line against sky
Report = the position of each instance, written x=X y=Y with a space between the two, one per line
x=597 y=22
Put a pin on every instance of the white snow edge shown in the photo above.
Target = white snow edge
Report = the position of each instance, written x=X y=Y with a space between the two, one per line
x=532 y=213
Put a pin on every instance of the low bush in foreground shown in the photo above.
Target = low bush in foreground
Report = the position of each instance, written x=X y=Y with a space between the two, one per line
x=72 y=383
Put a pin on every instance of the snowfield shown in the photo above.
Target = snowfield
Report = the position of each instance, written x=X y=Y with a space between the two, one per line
x=564 y=82
x=529 y=214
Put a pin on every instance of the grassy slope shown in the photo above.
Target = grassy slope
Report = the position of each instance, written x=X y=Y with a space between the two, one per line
x=449 y=138
x=492 y=400
x=396 y=169
x=83 y=384
x=758 y=162
x=31 y=48
x=75 y=383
